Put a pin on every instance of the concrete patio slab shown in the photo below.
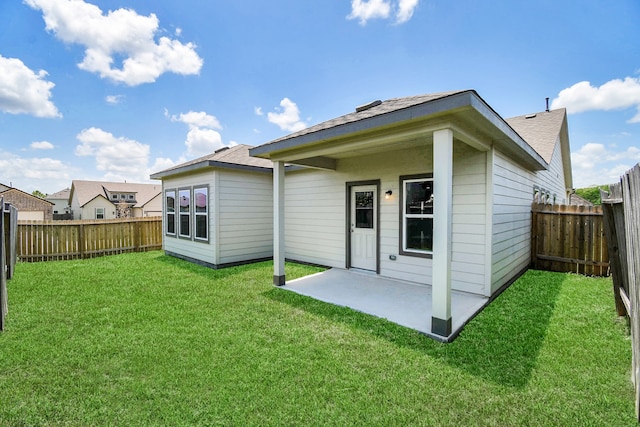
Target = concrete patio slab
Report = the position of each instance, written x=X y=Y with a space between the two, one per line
x=407 y=304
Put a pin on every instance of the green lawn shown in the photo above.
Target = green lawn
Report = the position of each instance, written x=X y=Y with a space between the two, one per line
x=149 y=340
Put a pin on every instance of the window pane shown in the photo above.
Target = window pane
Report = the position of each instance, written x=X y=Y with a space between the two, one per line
x=419 y=197
x=171 y=223
x=185 y=200
x=364 y=209
x=171 y=201
x=419 y=232
x=200 y=196
x=184 y=225
x=201 y=226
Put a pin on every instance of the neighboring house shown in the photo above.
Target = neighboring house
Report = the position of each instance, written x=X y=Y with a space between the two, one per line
x=218 y=208
x=575 y=199
x=110 y=200
x=61 y=206
x=433 y=189
x=29 y=207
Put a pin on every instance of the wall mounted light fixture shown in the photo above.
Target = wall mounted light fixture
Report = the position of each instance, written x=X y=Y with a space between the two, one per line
x=388 y=194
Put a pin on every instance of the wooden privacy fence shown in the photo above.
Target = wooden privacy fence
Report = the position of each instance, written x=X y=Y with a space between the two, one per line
x=8 y=228
x=569 y=238
x=622 y=214
x=64 y=240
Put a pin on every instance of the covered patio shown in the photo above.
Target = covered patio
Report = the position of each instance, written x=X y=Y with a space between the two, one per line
x=404 y=303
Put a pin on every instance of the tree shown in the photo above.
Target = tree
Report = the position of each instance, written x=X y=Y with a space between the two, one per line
x=39 y=193
x=592 y=194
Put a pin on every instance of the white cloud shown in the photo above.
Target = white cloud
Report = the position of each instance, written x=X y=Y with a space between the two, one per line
x=258 y=111
x=364 y=10
x=405 y=10
x=119 y=33
x=42 y=145
x=288 y=118
x=597 y=164
x=114 y=99
x=118 y=158
x=24 y=92
x=197 y=120
x=201 y=141
x=203 y=137
x=37 y=173
x=613 y=95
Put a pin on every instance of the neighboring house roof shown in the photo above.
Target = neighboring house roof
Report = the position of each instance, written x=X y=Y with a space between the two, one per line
x=540 y=130
x=9 y=191
x=236 y=157
x=543 y=131
x=575 y=199
x=60 y=195
x=85 y=191
x=464 y=108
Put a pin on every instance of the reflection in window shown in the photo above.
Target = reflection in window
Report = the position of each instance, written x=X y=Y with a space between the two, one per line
x=417 y=215
x=170 y=203
x=201 y=213
x=184 y=198
x=364 y=209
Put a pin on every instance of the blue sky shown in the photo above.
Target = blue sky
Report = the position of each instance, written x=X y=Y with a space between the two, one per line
x=118 y=89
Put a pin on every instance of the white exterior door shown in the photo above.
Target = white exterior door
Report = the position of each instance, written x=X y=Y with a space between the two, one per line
x=363 y=219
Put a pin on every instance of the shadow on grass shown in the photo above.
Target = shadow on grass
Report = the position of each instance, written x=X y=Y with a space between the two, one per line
x=209 y=272
x=501 y=344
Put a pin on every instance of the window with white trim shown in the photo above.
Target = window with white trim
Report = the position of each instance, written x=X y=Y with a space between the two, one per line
x=184 y=203
x=201 y=213
x=416 y=225
x=170 y=209
x=99 y=213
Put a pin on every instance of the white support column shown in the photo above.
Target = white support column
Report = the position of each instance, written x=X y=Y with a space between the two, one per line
x=278 y=224
x=442 y=212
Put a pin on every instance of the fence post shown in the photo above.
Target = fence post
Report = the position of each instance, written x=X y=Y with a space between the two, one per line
x=81 y=240
x=4 y=304
x=611 y=206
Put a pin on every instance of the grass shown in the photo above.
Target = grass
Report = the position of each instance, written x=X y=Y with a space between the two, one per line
x=145 y=339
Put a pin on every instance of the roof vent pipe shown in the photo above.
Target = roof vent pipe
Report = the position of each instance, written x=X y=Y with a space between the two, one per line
x=547 y=110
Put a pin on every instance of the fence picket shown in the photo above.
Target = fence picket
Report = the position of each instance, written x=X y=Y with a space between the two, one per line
x=569 y=238
x=64 y=240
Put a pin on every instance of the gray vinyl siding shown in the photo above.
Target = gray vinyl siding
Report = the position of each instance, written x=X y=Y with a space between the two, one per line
x=553 y=179
x=512 y=197
x=240 y=217
x=245 y=216
x=191 y=249
x=315 y=213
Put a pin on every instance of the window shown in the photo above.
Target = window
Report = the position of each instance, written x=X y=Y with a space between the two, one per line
x=114 y=196
x=416 y=227
x=187 y=213
x=201 y=211
x=131 y=197
x=122 y=197
x=170 y=203
x=184 y=202
x=99 y=213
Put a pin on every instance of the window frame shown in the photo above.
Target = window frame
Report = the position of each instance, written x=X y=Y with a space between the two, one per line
x=104 y=213
x=197 y=214
x=184 y=214
x=167 y=213
x=403 y=216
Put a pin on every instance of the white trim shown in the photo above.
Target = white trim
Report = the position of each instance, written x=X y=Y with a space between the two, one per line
x=278 y=221
x=488 y=256
x=443 y=208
